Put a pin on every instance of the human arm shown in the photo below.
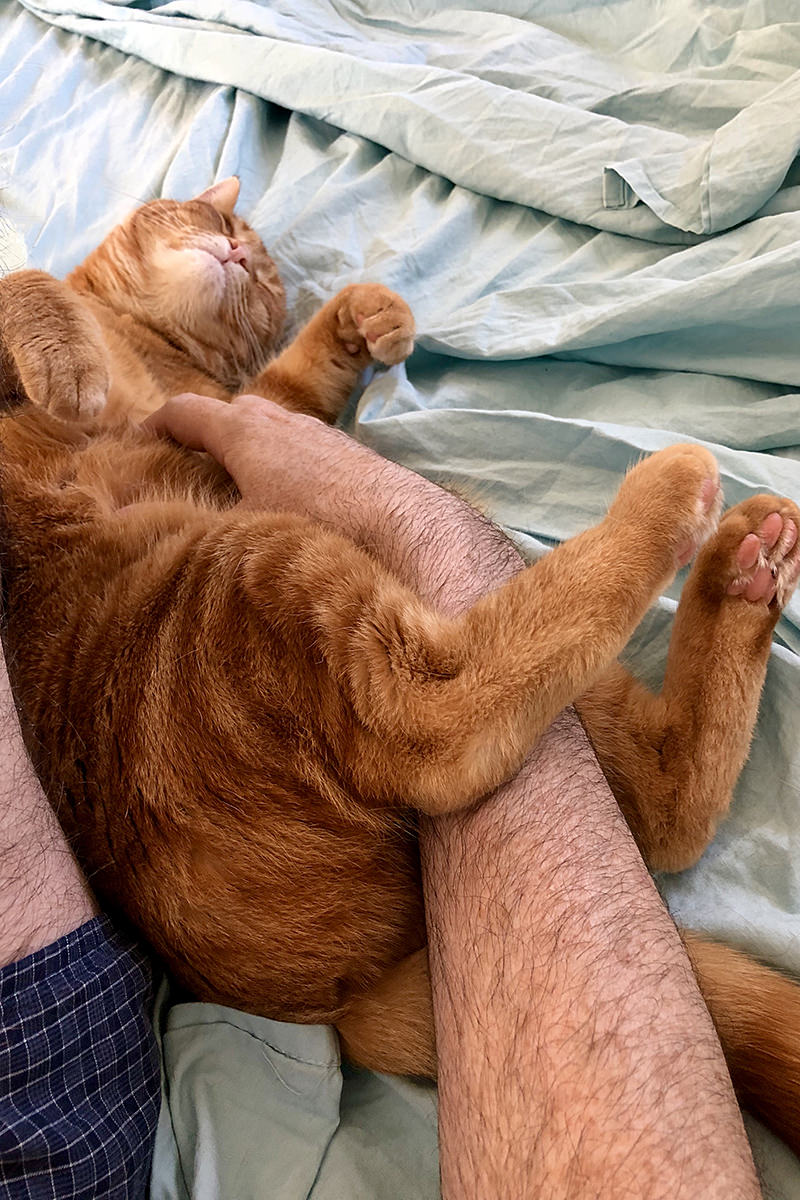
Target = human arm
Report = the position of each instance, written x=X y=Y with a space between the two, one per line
x=285 y=461
x=576 y=1056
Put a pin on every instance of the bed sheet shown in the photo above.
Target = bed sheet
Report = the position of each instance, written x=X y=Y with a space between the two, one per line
x=594 y=211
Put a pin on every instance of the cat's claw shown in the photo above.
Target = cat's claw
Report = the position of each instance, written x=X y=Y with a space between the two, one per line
x=92 y=401
x=765 y=565
x=755 y=553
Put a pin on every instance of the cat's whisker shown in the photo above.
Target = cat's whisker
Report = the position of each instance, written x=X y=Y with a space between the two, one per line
x=110 y=187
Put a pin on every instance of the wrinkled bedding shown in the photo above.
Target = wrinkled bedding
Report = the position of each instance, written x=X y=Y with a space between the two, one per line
x=594 y=211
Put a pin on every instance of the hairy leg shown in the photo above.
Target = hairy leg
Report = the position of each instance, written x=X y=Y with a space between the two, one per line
x=363 y=323
x=43 y=893
x=673 y=759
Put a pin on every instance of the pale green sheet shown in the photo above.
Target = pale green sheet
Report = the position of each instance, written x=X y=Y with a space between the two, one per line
x=539 y=182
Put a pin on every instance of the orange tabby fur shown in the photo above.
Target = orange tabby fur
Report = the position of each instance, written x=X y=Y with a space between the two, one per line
x=236 y=713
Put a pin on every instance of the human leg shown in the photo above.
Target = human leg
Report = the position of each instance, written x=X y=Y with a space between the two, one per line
x=576 y=1057
x=79 y=1080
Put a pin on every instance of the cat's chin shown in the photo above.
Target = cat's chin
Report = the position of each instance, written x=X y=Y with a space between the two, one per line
x=223 y=280
x=200 y=276
x=210 y=271
x=236 y=274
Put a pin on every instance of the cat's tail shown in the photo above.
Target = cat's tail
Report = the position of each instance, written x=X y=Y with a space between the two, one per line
x=757 y=1014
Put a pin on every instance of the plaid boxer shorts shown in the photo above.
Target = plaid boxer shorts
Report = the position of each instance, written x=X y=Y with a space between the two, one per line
x=79 y=1071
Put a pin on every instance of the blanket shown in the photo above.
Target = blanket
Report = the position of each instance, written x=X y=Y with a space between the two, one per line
x=594 y=212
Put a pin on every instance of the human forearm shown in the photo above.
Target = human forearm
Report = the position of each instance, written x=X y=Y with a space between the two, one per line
x=282 y=460
x=445 y=551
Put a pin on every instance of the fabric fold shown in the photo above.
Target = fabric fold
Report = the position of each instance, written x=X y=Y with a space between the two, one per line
x=524 y=137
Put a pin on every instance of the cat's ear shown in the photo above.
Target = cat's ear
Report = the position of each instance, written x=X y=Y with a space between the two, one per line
x=222 y=196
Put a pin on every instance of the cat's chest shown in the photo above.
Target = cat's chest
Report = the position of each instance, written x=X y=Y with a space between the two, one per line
x=134 y=393
x=144 y=374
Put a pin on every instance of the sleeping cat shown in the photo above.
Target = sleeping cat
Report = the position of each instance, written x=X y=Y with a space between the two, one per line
x=236 y=713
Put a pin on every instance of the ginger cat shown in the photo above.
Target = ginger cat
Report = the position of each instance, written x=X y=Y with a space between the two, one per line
x=231 y=710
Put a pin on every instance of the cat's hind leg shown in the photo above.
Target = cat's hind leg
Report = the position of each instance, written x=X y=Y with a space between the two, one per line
x=445 y=709
x=364 y=323
x=673 y=759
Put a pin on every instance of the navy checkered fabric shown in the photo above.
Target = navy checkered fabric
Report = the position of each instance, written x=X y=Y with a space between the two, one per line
x=79 y=1072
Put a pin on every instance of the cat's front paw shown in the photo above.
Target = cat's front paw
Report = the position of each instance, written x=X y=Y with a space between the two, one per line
x=755 y=553
x=376 y=321
x=66 y=385
x=56 y=345
x=675 y=497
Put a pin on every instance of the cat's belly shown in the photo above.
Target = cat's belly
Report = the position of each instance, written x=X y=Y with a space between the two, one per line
x=177 y=750
x=271 y=921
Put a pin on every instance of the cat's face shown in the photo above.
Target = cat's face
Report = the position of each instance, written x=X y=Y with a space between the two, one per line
x=198 y=273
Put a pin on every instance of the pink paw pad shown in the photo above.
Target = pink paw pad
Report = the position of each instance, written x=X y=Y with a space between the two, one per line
x=360 y=319
x=708 y=506
x=709 y=493
x=760 y=557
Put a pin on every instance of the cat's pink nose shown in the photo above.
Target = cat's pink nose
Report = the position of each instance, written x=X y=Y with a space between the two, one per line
x=238 y=253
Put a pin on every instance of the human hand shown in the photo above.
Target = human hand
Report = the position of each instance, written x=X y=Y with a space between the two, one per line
x=284 y=461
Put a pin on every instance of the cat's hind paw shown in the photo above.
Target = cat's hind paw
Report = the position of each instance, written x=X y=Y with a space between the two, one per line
x=755 y=553
x=675 y=496
x=764 y=549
